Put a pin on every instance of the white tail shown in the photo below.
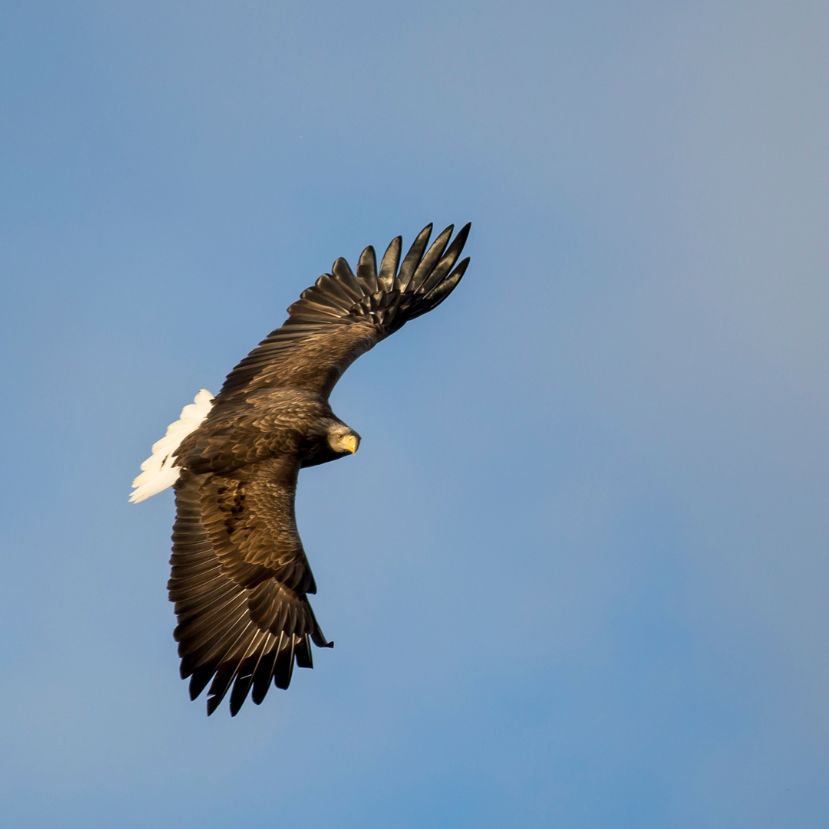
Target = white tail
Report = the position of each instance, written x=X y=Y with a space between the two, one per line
x=158 y=471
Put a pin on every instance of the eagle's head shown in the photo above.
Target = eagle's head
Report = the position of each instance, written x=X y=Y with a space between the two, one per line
x=343 y=439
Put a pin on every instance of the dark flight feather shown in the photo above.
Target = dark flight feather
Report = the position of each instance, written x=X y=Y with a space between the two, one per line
x=233 y=597
x=340 y=317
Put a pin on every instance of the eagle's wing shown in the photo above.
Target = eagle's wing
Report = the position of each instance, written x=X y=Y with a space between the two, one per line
x=239 y=582
x=343 y=315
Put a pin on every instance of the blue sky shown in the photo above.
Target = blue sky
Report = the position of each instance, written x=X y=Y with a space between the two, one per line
x=576 y=574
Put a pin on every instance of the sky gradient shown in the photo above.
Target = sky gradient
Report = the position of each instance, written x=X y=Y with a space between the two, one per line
x=576 y=574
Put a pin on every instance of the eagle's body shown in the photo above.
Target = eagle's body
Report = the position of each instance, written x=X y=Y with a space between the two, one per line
x=240 y=579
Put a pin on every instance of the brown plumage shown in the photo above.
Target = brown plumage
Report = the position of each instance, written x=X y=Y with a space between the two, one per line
x=240 y=579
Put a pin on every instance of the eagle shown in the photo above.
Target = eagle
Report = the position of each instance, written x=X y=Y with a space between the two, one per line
x=240 y=579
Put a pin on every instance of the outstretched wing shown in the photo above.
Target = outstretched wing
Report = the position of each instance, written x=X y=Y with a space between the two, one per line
x=344 y=314
x=240 y=581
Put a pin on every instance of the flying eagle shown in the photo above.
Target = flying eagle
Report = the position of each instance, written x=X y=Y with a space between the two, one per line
x=240 y=579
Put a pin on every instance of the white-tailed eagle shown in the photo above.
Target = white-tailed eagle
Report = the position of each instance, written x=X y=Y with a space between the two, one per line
x=240 y=579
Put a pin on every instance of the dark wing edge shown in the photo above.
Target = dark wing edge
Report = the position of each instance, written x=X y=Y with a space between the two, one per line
x=244 y=618
x=345 y=314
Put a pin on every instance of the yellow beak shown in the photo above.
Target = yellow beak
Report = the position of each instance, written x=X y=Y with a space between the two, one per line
x=350 y=443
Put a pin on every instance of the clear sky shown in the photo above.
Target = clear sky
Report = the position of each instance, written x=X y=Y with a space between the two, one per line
x=577 y=573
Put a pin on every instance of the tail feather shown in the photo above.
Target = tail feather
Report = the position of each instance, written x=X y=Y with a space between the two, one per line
x=159 y=470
